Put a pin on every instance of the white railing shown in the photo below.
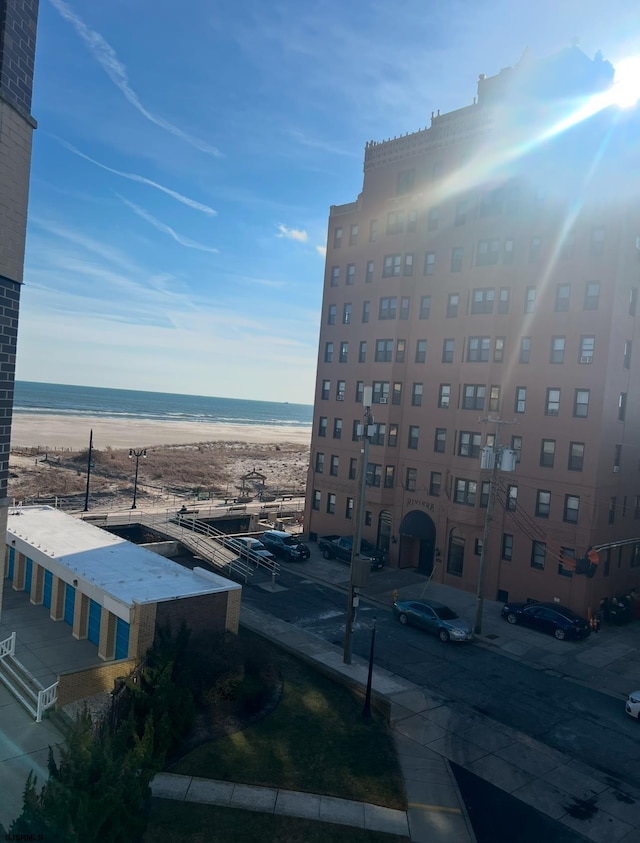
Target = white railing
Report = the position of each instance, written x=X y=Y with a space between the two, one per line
x=46 y=699
x=22 y=684
x=8 y=646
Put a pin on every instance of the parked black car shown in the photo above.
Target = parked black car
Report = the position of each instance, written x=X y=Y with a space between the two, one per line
x=547 y=617
x=285 y=545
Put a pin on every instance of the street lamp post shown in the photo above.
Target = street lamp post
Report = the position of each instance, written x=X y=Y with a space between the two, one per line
x=366 y=711
x=137 y=454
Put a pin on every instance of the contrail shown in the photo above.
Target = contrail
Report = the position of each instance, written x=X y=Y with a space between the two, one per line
x=166 y=229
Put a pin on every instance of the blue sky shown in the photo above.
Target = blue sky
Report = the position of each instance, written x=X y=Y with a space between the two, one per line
x=185 y=162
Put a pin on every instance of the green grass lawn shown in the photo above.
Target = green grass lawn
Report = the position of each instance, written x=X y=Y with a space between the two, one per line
x=314 y=741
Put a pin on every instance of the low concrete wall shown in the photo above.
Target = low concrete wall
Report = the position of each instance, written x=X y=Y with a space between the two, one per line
x=164 y=548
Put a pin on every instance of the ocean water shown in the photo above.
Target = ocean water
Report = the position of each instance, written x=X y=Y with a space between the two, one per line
x=83 y=401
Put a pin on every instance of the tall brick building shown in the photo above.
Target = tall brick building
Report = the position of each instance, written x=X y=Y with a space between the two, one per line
x=485 y=284
x=18 y=21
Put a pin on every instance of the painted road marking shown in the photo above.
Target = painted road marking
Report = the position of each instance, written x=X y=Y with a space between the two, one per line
x=434 y=808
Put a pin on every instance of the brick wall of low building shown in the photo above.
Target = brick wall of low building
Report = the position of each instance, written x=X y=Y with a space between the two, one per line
x=204 y=613
x=77 y=685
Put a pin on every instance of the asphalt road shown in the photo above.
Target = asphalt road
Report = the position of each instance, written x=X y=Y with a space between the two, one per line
x=584 y=723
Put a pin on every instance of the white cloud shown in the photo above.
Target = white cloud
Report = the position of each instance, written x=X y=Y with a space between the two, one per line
x=166 y=229
x=191 y=203
x=322 y=251
x=297 y=234
x=106 y=57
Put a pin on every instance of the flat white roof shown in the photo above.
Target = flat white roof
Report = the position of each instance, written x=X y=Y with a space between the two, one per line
x=124 y=570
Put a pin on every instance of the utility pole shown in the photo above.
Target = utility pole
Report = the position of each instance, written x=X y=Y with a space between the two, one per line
x=86 y=494
x=494 y=456
x=357 y=577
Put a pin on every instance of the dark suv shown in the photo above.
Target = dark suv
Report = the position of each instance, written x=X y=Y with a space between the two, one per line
x=285 y=545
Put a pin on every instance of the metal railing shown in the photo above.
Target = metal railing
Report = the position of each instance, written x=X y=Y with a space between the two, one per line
x=22 y=684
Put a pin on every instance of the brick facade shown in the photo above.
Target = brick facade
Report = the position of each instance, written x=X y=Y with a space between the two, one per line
x=205 y=613
x=78 y=685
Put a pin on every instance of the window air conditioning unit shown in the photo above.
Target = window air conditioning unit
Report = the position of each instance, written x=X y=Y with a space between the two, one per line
x=616 y=469
x=383 y=400
x=586 y=358
x=340 y=396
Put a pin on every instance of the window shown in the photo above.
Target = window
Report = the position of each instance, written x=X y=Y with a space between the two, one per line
x=576 y=456
x=379 y=433
x=633 y=301
x=571 y=509
x=547 y=453
x=331 y=314
x=626 y=361
x=457 y=254
x=622 y=406
x=535 y=247
x=421 y=351
x=392 y=266
x=507 y=547
x=353 y=235
x=568 y=246
x=346 y=313
x=353 y=468
x=408 y=265
x=319 y=463
x=557 y=350
x=581 y=403
x=392 y=439
x=359 y=392
x=552 y=406
x=368 y=518
x=331 y=503
x=462 y=209
x=406 y=179
x=567 y=563
x=492 y=202
x=596 y=244
x=328 y=352
x=395 y=222
x=530 y=301
x=429 y=263
x=483 y=300
x=587 y=344
x=478 y=349
x=611 y=518
x=488 y=252
x=562 y=298
x=452 y=305
x=380 y=392
x=416 y=395
x=337 y=237
x=455 y=557
x=433 y=219
x=351 y=273
x=473 y=396
x=412 y=221
x=335 y=276
x=373 y=231
x=344 y=352
x=512 y=498
x=469 y=444
x=507 y=252
x=389 y=476
x=521 y=399
x=405 y=305
x=322 y=426
x=516 y=446
x=369 y=275
x=414 y=437
x=525 y=349
x=362 y=352
x=366 y=311
x=388 y=308
x=384 y=351
x=356 y=430
x=440 y=440
x=337 y=428
x=465 y=491
x=444 y=396
x=485 y=490
x=411 y=479
x=538 y=555
x=396 y=395
x=543 y=504
x=315 y=503
x=435 y=483
x=498 y=350
x=448 y=347
x=592 y=295
x=326 y=389
x=617 y=459
x=401 y=348
x=425 y=307
x=503 y=300
x=334 y=465
x=494 y=398
x=348 y=509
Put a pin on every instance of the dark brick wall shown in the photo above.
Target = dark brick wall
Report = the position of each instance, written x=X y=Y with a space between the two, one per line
x=18 y=22
x=9 y=306
x=204 y=612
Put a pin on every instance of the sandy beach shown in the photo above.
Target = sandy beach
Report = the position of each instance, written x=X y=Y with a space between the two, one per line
x=72 y=432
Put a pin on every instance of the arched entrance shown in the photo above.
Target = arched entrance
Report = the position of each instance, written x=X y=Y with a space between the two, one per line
x=384 y=531
x=417 y=541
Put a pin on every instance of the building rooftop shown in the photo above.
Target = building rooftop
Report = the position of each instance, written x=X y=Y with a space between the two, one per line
x=129 y=573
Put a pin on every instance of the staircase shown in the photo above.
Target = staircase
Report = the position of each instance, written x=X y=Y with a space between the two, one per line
x=24 y=687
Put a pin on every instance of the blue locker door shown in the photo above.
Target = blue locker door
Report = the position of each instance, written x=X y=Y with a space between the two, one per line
x=69 y=603
x=12 y=561
x=93 y=631
x=28 y=574
x=122 y=639
x=46 y=592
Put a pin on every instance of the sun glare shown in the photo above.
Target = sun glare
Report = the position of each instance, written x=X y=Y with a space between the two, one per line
x=626 y=86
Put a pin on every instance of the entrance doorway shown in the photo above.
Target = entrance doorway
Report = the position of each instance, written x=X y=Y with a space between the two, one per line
x=417 y=541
